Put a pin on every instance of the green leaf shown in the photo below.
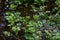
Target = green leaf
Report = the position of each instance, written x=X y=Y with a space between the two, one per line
x=35 y=16
x=12 y=6
x=31 y=29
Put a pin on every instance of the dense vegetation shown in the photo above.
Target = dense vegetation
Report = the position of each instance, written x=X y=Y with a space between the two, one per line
x=29 y=19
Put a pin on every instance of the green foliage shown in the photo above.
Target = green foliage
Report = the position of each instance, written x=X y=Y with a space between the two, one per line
x=12 y=18
x=6 y=33
x=35 y=16
x=40 y=21
x=12 y=6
